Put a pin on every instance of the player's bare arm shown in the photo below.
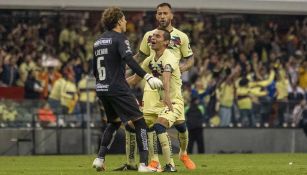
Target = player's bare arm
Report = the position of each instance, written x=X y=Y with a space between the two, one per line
x=166 y=85
x=187 y=64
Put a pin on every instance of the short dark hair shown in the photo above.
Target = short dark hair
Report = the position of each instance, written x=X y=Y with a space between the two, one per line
x=166 y=33
x=111 y=16
x=164 y=4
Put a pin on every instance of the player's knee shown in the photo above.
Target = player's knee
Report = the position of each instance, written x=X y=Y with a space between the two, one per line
x=182 y=127
x=159 y=128
x=129 y=128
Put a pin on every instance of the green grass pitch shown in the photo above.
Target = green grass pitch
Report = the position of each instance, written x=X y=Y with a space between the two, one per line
x=217 y=164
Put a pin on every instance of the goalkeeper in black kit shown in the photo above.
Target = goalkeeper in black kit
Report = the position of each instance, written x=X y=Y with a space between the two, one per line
x=111 y=54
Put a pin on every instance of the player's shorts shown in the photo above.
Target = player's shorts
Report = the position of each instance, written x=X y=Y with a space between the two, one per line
x=123 y=106
x=154 y=108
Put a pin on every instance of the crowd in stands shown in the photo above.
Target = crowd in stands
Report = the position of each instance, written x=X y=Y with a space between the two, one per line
x=250 y=70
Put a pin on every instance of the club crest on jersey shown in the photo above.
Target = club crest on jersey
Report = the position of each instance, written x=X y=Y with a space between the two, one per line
x=156 y=68
x=103 y=41
x=174 y=42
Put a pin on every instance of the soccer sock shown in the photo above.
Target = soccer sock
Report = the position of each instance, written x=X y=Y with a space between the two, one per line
x=166 y=148
x=152 y=145
x=107 y=139
x=183 y=137
x=130 y=145
x=141 y=139
x=165 y=143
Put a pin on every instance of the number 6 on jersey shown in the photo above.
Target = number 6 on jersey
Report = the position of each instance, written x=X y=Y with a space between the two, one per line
x=101 y=69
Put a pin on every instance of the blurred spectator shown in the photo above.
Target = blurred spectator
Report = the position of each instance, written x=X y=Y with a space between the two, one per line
x=33 y=87
x=87 y=94
x=46 y=116
x=245 y=103
x=69 y=95
x=25 y=68
x=9 y=113
x=48 y=78
x=78 y=69
x=10 y=70
x=54 y=99
x=297 y=114
x=226 y=96
x=296 y=94
x=303 y=75
x=194 y=118
x=282 y=84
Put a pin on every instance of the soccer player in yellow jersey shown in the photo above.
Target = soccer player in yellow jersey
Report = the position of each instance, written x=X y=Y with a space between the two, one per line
x=179 y=46
x=164 y=111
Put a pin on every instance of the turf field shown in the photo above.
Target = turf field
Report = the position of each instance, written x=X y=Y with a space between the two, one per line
x=222 y=164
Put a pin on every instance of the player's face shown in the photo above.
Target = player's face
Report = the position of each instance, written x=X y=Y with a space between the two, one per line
x=164 y=16
x=157 y=40
x=123 y=23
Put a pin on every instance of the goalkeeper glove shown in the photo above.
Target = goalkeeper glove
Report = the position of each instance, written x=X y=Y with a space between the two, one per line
x=154 y=82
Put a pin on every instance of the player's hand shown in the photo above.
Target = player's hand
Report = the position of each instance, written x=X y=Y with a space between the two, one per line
x=167 y=101
x=154 y=82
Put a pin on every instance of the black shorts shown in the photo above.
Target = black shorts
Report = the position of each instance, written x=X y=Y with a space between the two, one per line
x=123 y=106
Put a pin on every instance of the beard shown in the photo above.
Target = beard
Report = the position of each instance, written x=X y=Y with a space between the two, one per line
x=164 y=24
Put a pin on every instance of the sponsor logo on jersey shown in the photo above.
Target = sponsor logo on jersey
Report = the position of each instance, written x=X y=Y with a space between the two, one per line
x=128 y=47
x=103 y=41
x=101 y=87
x=175 y=42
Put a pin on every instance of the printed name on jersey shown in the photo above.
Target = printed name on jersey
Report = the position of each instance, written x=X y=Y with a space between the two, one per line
x=128 y=47
x=103 y=41
x=100 y=52
x=102 y=87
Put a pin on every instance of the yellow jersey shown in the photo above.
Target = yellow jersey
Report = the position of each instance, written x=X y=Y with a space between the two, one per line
x=83 y=84
x=303 y=78
x=226 y=94
x=69 y=95
x=156 y=67
x=55 y=93
x=179 y=46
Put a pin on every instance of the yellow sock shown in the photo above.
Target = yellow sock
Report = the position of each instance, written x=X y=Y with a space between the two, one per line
x=166 y=146
x=183 y=141
x=130 y=148
x=152 y=146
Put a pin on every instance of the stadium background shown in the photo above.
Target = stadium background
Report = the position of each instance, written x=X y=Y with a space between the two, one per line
x=47 y=31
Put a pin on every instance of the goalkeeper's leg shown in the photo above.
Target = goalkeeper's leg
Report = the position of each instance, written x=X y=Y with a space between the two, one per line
x=106 y=142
